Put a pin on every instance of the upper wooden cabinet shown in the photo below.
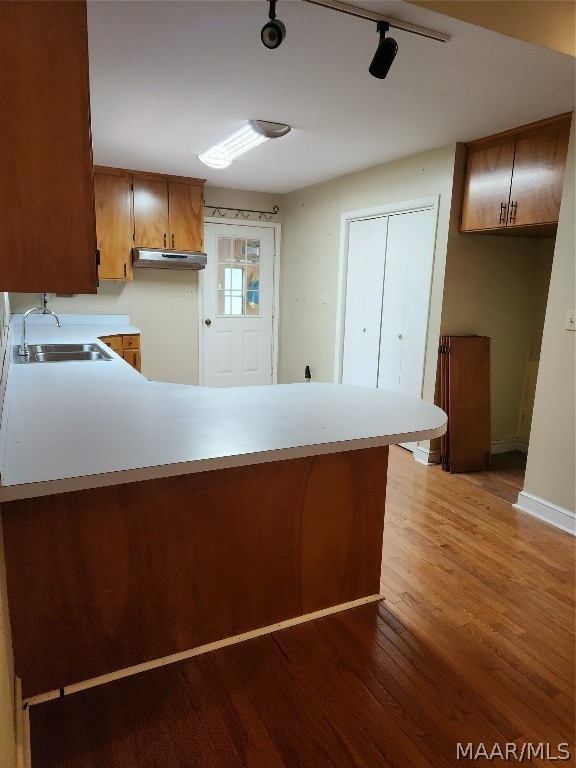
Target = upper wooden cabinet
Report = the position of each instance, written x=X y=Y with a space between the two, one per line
x=168 y=213
x=47 y=228
x=151 y=228
x=135 y=208
x=514 y=180
x=114 y=228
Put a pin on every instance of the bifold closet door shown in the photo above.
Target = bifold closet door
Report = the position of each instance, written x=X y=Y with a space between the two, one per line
x=388 y=284
x=364 y=285
x=406 y=301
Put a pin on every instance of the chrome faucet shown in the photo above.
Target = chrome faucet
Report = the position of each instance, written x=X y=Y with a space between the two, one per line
x=24 y=351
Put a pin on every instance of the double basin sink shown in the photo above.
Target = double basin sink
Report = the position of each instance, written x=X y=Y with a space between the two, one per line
x=60 y=353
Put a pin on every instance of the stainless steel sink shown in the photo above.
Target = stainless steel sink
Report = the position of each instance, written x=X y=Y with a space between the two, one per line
x=59 y=353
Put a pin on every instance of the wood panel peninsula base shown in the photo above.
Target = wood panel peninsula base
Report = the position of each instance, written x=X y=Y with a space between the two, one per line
x=106 y=578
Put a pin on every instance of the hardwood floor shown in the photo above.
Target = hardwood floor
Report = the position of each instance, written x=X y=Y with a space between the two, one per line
x=474 y=643
x=504 y=479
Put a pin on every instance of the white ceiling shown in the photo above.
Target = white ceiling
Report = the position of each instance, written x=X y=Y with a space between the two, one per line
x=169 y=79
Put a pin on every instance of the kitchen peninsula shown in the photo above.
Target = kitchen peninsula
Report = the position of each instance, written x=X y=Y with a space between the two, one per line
x=143 y=519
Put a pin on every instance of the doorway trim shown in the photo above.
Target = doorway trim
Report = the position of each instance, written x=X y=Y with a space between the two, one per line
x=385 y=209
x=276 y=226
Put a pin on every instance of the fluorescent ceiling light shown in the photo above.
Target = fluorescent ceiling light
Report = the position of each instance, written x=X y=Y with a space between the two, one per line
x=252 y=134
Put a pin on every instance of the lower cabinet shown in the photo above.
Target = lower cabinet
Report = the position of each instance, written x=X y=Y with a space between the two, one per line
x=127 y=346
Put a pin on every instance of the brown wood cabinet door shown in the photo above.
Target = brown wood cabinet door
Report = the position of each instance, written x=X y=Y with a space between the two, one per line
x=131 y=342
x=538 y=178
x=150 y=213
x=48 y=230
x=466 y=400
x=114 y=342
x=132 y=356
x=113 y=225
x=186 y=216
x=487 y=187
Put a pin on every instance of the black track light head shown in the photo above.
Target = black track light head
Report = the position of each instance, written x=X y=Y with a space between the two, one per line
x=274 y=31
x=385 y=53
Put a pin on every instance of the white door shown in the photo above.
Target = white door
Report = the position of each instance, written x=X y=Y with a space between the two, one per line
x=364 y=281
x=238 y=305
x=387 y=302
x=406 y=301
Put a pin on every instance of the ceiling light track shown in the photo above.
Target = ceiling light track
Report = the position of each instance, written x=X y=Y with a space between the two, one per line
x=362 y=13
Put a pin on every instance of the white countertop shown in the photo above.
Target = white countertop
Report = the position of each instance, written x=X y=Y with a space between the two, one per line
x=74 y=425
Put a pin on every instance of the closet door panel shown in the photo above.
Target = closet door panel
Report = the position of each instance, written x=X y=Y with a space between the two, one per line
x=406 y=304
x=394 y=299
x=365 y=277
x=419 y=233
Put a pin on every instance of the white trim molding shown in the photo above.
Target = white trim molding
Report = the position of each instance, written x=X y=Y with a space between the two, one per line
x=546 y=511
x=426 y=456
x=146 y=666
x=22 y=721
x=505 y=446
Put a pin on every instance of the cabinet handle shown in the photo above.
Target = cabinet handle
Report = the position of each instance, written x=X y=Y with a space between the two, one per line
x=164 y=240
x=502 y=219
x=513 y=208
x=173 y=246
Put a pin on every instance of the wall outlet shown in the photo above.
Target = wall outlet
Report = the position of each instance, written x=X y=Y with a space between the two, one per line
x=189 y=293
x=570 y=322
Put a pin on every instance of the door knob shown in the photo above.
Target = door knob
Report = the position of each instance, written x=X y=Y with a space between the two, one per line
x=208 y=322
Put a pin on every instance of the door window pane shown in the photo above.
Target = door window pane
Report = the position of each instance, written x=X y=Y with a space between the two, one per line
x=238 y=287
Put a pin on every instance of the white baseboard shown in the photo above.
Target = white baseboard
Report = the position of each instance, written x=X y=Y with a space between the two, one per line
x=192 y=652
x=505 y=446
x=426 y=456
x=546 y=511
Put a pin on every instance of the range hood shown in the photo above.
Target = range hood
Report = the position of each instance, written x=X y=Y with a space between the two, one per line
x=167 y=259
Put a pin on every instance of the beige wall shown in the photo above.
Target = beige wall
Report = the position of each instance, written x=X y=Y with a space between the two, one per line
x=497 y=287
x=310 y=255
x=547 y=23
x=494 y=286
x=156 y=302
x=552 y=455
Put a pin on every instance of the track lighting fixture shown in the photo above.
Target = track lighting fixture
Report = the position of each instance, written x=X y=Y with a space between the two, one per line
x=273 y=32
x=387 y=47
x=385 y=53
